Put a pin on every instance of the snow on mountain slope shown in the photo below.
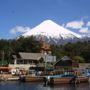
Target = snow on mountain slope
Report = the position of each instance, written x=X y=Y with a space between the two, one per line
x=52 y=30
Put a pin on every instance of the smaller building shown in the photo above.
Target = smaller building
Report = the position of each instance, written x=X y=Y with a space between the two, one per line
x=65 y=64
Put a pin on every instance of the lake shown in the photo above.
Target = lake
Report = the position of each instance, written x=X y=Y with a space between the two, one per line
x=15 y=85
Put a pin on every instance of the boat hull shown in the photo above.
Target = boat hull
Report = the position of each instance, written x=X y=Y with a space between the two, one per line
x=67 y=80
x=34 y=79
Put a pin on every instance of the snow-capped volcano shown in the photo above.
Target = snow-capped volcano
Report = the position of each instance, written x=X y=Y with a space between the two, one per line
x=50 y=30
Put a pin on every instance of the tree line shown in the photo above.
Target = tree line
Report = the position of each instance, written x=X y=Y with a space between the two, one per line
x=79 y=51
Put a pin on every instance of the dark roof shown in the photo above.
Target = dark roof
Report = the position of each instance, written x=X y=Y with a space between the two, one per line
x=66 y=61
x=65 y=58
x=32 y=56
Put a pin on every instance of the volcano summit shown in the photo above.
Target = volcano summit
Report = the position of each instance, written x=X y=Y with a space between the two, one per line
x=53 y=33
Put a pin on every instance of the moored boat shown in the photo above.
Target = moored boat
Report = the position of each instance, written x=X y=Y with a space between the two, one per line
x=82 y=79
x=66 y=79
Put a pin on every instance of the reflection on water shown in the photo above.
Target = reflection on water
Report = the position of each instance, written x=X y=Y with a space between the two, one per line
x=39 y=86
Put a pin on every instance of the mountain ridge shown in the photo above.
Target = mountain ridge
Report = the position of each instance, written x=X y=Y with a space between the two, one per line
x=52 y=32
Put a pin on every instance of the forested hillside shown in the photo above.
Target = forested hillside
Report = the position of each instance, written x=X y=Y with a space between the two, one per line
x=79 y=51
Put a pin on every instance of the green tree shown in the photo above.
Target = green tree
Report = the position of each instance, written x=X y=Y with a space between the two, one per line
x=79 y=59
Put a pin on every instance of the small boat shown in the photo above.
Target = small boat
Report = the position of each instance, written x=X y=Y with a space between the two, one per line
x=8 y=77
x=82 y=79
x=66 y=79
x=13 y=79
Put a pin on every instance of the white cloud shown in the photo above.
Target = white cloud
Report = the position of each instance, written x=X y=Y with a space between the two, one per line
x=75 y=24
x=88 y=23
x=20 y=29
x=84 y=30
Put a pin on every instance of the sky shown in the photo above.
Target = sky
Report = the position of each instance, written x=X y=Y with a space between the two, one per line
x=20 y=16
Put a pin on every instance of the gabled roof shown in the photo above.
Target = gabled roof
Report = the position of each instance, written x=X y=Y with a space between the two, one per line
x=66 y=61
x=30 y=56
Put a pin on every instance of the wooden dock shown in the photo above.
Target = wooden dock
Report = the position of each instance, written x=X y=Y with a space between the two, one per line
x=29 y=78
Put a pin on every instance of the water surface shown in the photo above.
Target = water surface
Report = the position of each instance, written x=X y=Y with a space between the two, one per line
x=11 y=85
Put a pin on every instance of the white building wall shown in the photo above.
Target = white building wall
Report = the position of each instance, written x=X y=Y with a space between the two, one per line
x=21 y=66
